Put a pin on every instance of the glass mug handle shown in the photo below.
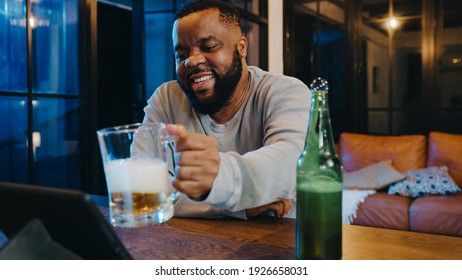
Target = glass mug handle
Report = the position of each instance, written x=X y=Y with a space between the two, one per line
x=168 y=143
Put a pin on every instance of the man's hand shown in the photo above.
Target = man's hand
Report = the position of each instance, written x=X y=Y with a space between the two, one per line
x=280 y=208
x=197 y=161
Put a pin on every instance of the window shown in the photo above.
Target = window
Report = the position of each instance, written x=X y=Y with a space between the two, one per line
x=13 y=139
x=55 y=46
x=13 y=47
x=160 y=65
x=40 y=93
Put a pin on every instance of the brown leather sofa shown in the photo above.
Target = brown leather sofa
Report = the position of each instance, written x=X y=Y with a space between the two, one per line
x=440 y=214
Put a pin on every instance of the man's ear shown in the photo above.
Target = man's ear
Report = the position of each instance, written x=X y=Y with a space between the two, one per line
x=242 y=46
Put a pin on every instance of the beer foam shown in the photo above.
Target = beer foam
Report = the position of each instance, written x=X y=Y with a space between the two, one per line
x=137 y=175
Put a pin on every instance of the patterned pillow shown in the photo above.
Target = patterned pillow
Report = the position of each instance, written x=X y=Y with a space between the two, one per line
x=426 y=181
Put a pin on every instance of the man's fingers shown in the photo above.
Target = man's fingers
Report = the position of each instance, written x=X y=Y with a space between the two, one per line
x=287 y=205
x=279 y=208
x=190 y=188
x=194 y=141
x=176 y=130
x=189 y=173
x=196 y=158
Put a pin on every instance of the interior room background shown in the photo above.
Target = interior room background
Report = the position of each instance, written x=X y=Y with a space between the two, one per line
x=70 y=67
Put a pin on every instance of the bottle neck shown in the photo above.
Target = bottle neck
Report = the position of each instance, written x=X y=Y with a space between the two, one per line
x=322 y=101
x=319 y=156
x=320 y=123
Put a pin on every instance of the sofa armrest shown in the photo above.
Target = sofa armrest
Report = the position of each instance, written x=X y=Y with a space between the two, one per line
x=445 y=149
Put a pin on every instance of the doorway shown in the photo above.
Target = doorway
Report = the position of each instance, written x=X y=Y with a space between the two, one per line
x=115 y=97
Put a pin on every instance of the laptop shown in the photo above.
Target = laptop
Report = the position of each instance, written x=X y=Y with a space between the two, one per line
x=47 y=223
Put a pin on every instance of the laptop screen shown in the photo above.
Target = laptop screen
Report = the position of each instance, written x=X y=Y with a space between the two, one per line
x=70 y=217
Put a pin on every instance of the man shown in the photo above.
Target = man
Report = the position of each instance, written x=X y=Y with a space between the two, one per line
x=240 y=129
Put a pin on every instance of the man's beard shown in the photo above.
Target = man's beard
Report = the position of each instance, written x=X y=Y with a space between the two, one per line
x=225 y=85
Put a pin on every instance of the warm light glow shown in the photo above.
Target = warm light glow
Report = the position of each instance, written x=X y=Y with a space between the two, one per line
x=36 y=139
x=36 y=142
x=456 y=60
x=32 y=22
x=35 y=103
x=393 y=23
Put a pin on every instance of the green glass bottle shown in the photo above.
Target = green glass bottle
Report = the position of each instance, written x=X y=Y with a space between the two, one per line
x=319 y=185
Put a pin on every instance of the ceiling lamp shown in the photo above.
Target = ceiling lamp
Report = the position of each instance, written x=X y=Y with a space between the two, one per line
x=393 y=23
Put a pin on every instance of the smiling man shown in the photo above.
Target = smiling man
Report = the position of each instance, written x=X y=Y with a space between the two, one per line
x=240 y=129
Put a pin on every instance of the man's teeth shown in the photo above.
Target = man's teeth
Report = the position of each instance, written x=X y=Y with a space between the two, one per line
x=204 y=78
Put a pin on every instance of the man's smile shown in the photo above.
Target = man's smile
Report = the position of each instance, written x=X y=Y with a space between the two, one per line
x=202 y=82
x=202 y=79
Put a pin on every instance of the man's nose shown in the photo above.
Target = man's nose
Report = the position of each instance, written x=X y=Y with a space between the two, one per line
x=194 y=60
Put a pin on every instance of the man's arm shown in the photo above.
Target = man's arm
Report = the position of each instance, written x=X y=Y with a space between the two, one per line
x=266 y=174
x=197 y=167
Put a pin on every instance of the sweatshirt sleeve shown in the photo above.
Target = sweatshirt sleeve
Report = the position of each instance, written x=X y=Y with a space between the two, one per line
x=267 y=174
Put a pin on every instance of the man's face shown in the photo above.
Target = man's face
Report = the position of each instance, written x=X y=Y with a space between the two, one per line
x=208 y=59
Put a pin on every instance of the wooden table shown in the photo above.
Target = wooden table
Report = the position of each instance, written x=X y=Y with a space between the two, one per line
x=274 y=238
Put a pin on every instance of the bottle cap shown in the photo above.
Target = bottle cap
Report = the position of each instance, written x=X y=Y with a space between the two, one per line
x=319 y=84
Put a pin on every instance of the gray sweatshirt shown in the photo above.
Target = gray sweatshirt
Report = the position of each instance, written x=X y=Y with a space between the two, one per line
x=259 y=146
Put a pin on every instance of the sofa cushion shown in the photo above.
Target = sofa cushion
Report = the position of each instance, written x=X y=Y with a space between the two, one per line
x=384 y=211
x=441 y=214
x=425 y=181
x=446 y=149
x=372 y=177
x=359 y=150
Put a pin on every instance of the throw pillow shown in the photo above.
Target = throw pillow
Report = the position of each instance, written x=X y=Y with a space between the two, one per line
x=426 y=181
x=372 y=177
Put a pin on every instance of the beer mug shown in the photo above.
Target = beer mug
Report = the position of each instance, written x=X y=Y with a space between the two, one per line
x=136 y=169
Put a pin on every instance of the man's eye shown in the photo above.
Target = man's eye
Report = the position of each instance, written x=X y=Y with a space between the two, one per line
x=210 y=48
x=180 y=57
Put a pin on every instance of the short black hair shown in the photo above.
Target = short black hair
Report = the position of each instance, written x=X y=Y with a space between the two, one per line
x=228 y=13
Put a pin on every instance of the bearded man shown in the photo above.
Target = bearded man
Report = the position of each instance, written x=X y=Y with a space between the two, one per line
x=240 y=129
